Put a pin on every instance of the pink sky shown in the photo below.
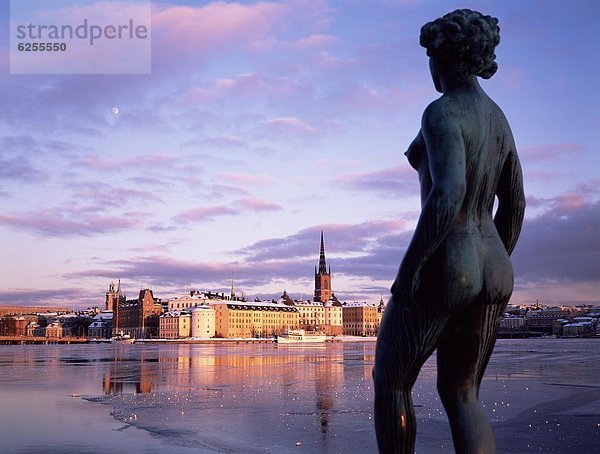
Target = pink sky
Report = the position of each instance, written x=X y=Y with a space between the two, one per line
x=263 y=123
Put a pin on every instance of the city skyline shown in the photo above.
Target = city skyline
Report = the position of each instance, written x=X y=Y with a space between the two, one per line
x=262 y=124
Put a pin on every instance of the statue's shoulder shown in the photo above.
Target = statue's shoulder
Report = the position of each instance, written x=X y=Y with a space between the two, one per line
x=442 y=112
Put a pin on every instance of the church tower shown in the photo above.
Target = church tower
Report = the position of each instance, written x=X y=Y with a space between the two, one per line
x=113 y=296
x=322 y=277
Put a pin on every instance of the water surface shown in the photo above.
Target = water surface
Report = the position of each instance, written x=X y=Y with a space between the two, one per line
x=541 y=395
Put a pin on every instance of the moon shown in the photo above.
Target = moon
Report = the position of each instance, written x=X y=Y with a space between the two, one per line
x=115 y=110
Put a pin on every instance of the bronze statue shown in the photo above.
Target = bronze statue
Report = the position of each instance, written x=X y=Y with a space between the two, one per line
x=456 y=277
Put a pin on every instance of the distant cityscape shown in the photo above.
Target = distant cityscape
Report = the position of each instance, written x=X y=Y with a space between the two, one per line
x=197 y=315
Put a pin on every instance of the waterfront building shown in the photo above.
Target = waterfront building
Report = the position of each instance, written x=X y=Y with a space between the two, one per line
x=101 y=326
x=239 y=319
x=188 y=301
x=360 y=319
x=54 y=329
x=32 y=329
x=75 y=325
x=513 y=323
x=203 y=322
x=13 y=326
x=311 y=315
x=175 y=325
x=578 y=329
x=333 y=315
x=541 y=320
x=28 y=310
x=138 y=318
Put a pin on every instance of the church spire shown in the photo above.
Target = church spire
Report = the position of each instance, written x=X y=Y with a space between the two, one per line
x=322 y=276
x=322 y=263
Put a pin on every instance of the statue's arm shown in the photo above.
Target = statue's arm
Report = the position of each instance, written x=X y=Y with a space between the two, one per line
x=511 y=201
x=446 y=158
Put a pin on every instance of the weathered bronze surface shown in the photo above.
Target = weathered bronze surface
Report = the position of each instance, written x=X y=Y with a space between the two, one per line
x=456 y=277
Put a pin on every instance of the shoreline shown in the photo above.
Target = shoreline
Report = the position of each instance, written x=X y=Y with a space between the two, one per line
x=253 y=340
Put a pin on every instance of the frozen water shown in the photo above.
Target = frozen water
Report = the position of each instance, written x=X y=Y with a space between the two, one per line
x=542 y=395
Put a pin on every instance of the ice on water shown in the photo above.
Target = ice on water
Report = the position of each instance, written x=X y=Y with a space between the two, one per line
x=541 y=395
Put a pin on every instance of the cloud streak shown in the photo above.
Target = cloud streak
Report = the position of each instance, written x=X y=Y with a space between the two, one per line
x=392 y=182
x=63 y=223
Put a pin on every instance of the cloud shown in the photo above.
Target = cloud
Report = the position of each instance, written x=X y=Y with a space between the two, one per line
x=66 y=222
x=257 y=205
x=221 y=142
x=288 y=126
x=168 y=272
x=192 y=33
x=238 y=207
x=310 y=42
x=147 y=161
x=362 y=250
x=247 y=178
x=19 y=168
x=550 y=152
x=576 y=200
x=98 y=196
x=63 y=297
x=29 y=146
x=339 y=238
x=393 y=182
x=561 y=245
x=204 y=214
x=252 y=90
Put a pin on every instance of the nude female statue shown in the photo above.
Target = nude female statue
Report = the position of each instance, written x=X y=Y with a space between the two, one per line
x=456 y=277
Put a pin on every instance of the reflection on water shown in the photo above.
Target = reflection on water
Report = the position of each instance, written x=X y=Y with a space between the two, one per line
x=248 y=398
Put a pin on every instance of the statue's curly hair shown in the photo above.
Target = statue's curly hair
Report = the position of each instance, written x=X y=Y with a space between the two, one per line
x=465 y=40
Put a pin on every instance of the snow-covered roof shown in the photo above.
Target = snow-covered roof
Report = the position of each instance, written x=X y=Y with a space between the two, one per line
x=308 y=303
x=98 y=324
x=255 y=304
x=104 y=315
x=201 y=309
x=359 y=304
x=176 y=314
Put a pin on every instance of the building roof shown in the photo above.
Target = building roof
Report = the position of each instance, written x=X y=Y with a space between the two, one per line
x=202 y=309
x=359 y=304
x=175 y=314
x=104 y=315
x=256 y=305
x=308 y=303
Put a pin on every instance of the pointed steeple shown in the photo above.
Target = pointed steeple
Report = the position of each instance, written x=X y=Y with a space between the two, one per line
x=322 y=263
x=322 y=277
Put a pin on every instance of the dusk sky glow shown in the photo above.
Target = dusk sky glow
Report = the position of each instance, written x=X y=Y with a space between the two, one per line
x=263 y=123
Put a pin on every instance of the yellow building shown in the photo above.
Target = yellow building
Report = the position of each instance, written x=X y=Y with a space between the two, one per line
x=175 y=325
x=240 y=319
x=203 y=322
x=334 y=324
x=311 y=315
x=360 y=319
x=196 y=299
